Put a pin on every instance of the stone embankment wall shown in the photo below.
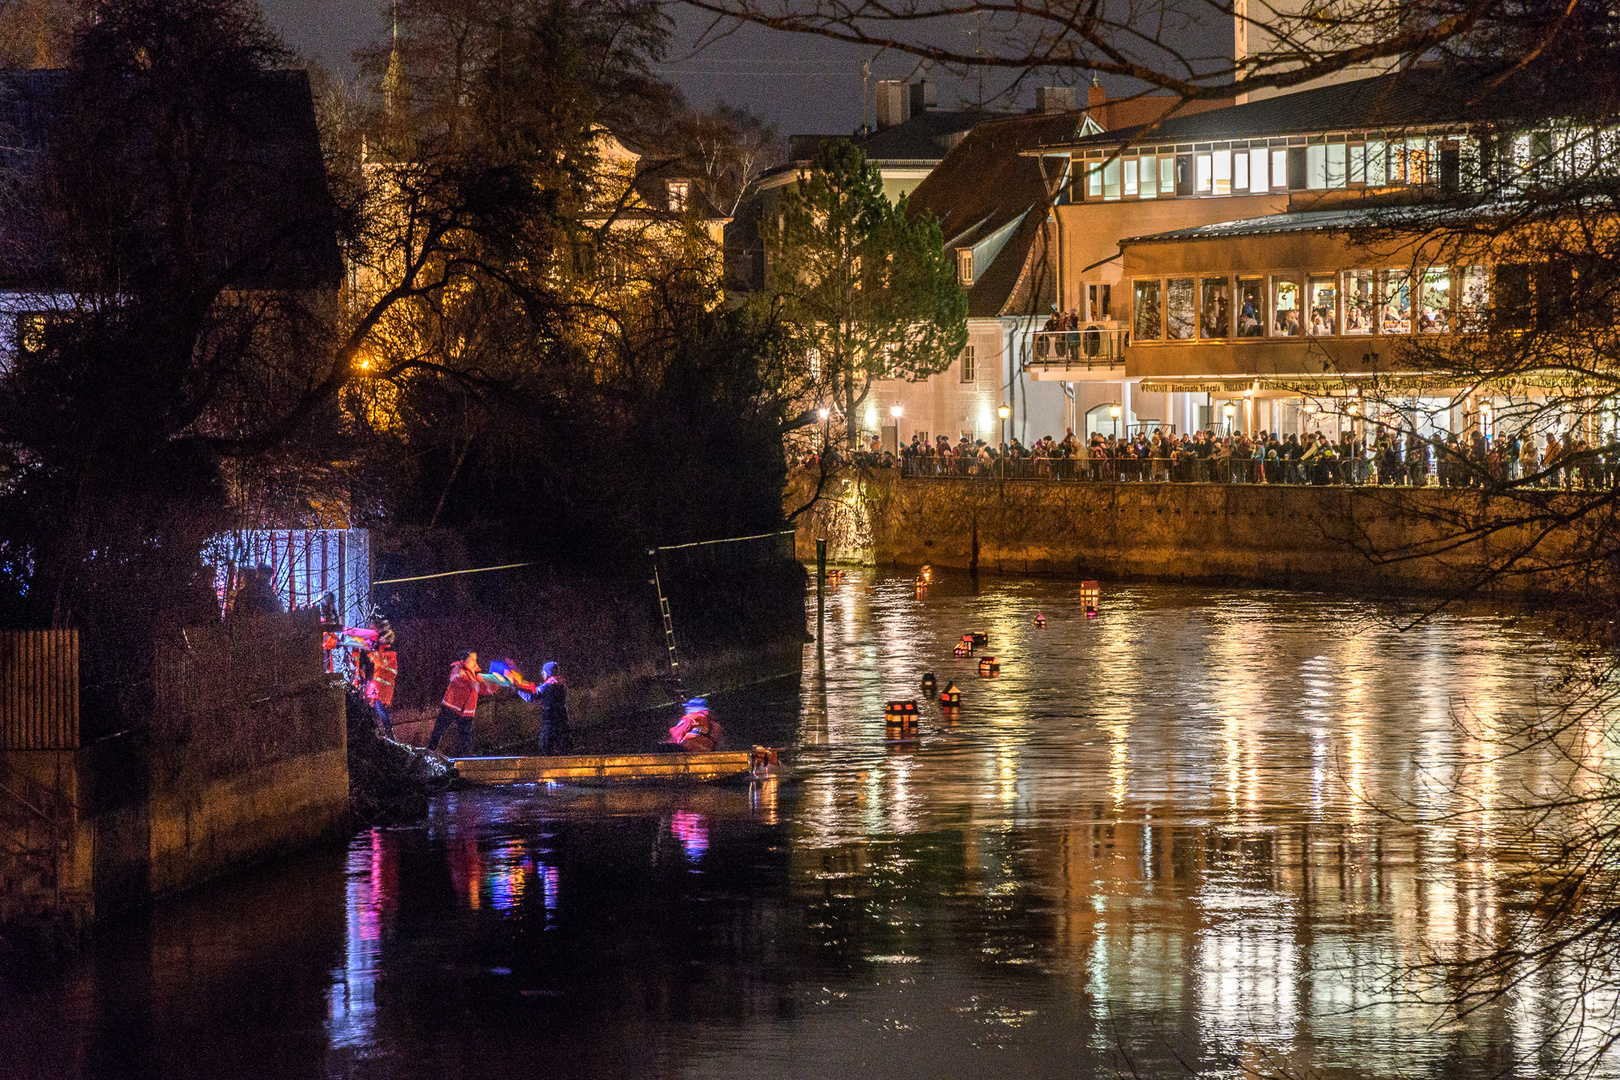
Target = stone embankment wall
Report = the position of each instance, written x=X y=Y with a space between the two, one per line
x=245 y=759
x=1354 y=538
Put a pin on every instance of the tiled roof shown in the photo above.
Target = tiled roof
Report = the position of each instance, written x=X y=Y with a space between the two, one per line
x=924 y=137
x=985 y=184
x=1337 y=219
x=1420 y=97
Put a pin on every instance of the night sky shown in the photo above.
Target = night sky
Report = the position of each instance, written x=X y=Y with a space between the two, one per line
x=801 y=84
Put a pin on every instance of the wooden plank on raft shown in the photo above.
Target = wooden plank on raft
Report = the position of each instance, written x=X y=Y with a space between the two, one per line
x=606 y=769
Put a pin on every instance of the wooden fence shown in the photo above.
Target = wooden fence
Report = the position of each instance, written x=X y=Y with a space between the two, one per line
x=39 y=689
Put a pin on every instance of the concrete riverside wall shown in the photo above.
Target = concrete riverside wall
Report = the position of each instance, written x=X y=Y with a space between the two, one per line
x=231 y=771
x=1282 y=535
x=91 y=851
x=204 y=831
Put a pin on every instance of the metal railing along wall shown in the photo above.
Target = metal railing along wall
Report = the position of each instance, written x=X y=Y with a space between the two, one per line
x=1184 y=470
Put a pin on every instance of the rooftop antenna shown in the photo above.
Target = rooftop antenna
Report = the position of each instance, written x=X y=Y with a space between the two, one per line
x=977 y=34
x=866 y=73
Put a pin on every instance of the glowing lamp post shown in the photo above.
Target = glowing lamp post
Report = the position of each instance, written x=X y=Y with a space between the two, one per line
x=1004 y=411
x=1113 y=414
x=1229 y=410
x=826 y=428
x=894 y=413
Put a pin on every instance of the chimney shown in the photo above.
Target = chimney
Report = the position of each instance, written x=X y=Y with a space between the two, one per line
x=1095 y=95
x=1054 y=99
x=924 y=96
x=891 y=102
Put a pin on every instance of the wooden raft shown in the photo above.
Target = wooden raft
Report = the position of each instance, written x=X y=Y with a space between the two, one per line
x=618 y=768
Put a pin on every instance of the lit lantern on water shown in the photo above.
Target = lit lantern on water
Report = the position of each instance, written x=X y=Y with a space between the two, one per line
x=900 y=721
x=989 y=667
x=1040 y=621
x=1090 y=596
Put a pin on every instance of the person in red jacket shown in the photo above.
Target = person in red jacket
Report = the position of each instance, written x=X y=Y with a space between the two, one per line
x=384 y=671
x=460 y=701
x=697 y=733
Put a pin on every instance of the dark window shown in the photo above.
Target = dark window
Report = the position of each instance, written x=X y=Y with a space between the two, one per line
x=1513 y=296
x=1296 y=168
x=1450 y=166
x=1554 y=283
x=1186 y=180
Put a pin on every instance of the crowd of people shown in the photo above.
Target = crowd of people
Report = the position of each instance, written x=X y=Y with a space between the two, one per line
x=1391 y=457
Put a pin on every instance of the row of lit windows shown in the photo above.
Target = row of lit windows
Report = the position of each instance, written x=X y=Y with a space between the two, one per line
x=1258 y=168
x=1329 y=304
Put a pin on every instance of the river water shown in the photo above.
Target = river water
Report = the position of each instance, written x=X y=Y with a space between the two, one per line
x=1158 y=844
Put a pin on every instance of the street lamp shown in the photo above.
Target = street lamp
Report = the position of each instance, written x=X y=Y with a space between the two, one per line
x=826 y=428
x=1113 y=414
x=895 y=411
x=1229 y=410
x=1003 y=410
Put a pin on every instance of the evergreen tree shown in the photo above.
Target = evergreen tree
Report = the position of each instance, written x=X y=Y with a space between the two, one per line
x=868 y=292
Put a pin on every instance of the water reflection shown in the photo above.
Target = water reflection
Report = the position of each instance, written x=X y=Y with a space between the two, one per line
x=1154 y=839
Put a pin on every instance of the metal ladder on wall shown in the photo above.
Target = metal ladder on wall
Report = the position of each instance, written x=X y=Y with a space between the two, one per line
x=669 y=623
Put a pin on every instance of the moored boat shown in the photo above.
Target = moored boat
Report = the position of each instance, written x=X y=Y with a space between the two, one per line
x=677 y=768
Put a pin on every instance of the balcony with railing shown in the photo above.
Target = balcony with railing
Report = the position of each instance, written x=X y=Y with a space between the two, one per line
x=1096 y=348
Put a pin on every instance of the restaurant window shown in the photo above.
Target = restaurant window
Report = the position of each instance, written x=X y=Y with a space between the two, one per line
x=970 y=366
x=1279 y=169
x=1179 y=309
x=1110 y=184
x=1435 y=317
x=1419 y=160
x=1251 y=307
x=1130 y=176
x=1336 y=171
x=1221 y=166
x=1240 y=171
x=1215 y=308
x=1397 y=301
x=1167 y=175
x=1473 y=299
x=1513 y=296
x=1357 y=154
x=1323 y=296
x=1316 y=166
x=1258 y=172
x=1101 y=299
x=1148 y=171
x=1205 y=173
x=1145 y=313
x=1377 y=163
x=1360 y=302
x=1286 y=320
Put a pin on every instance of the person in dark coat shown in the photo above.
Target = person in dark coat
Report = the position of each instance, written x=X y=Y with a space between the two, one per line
x=257 y=596
x=554 y=735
